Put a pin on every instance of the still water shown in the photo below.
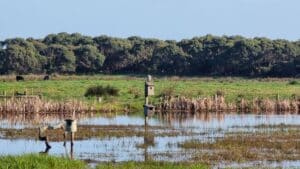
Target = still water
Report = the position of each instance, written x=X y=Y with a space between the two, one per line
x=203 y=127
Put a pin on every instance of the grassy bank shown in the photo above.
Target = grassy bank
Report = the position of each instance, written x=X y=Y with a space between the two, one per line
x=31 y=161
x=132 y=88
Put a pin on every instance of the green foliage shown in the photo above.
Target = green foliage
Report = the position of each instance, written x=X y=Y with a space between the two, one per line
x=294 y=82
x=101 y=91
x=2 y=61
x=21 y=57
x=88 y=59
x=31 y=161
x=61 y=59
x=207 y=55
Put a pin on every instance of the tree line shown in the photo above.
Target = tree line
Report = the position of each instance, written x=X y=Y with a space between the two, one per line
x=206 y=56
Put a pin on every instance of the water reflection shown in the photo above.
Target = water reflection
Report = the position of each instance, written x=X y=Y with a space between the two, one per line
x=205 y=127
x=201 y=120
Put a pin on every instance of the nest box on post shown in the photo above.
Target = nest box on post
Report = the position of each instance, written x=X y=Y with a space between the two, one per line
x=71 y=125
x=149 y=87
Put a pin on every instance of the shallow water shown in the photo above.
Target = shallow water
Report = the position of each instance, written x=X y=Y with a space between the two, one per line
x=204 y=127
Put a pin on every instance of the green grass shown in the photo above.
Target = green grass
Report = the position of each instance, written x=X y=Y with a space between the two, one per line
x=132 y=88
x=36 y=161
x=150 y=165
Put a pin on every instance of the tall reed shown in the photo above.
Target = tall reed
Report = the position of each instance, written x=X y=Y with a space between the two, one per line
x=37 y=105
x=218 y=103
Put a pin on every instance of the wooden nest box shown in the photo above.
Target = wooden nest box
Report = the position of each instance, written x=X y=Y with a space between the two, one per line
x=71 y=126
x=148 y=109
x=149 y=87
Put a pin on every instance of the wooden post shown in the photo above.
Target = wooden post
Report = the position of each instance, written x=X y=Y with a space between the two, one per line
x=146 y=100
x=72 y=138
x=72 y=152
x=149 y=91
x=65 y=137
x=5 y=100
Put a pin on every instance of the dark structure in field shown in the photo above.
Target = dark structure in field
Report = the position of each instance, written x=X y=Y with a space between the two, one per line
x=20 y=94
x=47 y=77
x=19 y=78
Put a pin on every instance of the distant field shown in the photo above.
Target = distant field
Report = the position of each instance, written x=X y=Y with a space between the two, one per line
x=132 y=87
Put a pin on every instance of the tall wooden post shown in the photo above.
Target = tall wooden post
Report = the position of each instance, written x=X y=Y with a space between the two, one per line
x=5 y=100
x=149 y=91
x=71 y=127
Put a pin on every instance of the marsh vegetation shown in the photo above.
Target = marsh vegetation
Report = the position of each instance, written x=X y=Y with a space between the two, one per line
x=232 y=121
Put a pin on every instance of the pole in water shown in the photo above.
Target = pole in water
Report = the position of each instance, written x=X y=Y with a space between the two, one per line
x=72 y=144
x=72 y=138
x=71 y=128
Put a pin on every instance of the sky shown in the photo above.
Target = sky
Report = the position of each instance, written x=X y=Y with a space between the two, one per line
x=162 y=19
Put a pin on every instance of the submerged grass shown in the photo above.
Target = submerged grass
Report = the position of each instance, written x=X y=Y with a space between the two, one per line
x=242 y=147
x=93 y=131
x=30 y=161
x=151 y=165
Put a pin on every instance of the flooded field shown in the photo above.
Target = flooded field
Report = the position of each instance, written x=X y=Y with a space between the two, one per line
x=119 y=137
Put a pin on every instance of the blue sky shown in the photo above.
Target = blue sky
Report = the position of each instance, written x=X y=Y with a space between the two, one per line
x=163 y=19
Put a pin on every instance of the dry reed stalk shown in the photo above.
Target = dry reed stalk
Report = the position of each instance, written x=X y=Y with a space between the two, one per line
x=36 y=105
x=218 y=104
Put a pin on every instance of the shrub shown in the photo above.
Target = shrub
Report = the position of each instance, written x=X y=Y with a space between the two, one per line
x=293 y=82
x=101 y=91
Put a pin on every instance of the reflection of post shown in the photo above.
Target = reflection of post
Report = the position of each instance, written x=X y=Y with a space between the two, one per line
x=146 y=120
x=72 y=145
x=65 y=138
x=145 y=143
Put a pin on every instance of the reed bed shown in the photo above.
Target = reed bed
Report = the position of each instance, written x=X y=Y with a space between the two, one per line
x=218 y=103
x=37 y=105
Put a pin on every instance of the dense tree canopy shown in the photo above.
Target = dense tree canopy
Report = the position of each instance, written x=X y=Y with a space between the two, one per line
x=207 y=55
x=88 y=59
